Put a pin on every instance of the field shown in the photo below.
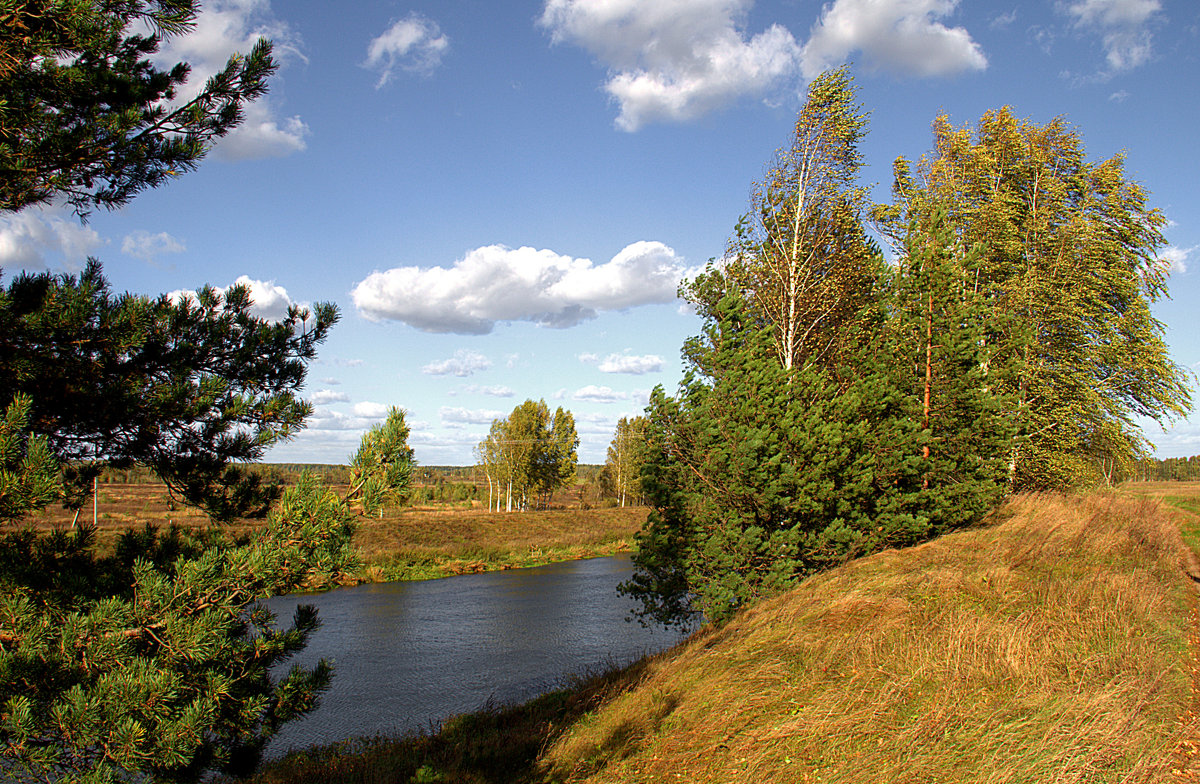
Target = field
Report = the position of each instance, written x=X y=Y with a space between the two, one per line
x=432 y=540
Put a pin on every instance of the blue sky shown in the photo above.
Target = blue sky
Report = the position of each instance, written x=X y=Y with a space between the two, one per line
x=501 y=196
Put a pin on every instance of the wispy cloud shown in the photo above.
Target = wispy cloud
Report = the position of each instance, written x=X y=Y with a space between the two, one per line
x=148 y=247
x=413 y=44
x=624 y=363
x=453 y=416
x=463 y=363
x=1123 y=26
x=34 y=237
x=595 y=394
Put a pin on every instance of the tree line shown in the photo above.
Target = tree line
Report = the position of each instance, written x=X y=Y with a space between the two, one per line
x=841 y=399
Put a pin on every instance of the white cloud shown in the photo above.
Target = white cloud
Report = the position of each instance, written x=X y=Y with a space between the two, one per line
x=496 y=283
x=1175 y=258
x=463 y=363
x=270 y=301
x=267 y=300
x=370 y=410
x=148 y=247
x=413 y=44
x=325 y=396
x=1123 y=25
x=1119 y=96
x=452 y=415
x=222 y=28
x=903 y=36
x=624 y=363
x=27 y=237
x=595 y=394
x=674 y=60
x=490 y=391
x=1003 y=21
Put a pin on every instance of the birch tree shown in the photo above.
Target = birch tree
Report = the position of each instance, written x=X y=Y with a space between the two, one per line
x=1070 y=271
x=802 y=256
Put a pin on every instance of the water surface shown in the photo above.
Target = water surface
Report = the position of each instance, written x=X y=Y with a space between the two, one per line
x=409 y=655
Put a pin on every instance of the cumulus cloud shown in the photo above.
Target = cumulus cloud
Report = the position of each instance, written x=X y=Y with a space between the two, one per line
x=902 y=36
x=496 y=283
x=414 y=44
x=267 y=299
x=325 y=396
x=148 y=247
x=624 y=363
x=29 y=237
x=595 y=394
x=462 y=364
x=370 y=410
x=1123 y=25
x=222 y=28
x=457 y=416
x=674 y=61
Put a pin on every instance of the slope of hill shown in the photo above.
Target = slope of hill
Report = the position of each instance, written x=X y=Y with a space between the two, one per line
x=1048 y=647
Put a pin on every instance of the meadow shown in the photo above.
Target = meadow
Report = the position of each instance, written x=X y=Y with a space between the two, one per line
x=427 y=540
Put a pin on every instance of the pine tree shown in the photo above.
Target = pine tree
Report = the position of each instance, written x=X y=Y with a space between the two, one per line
x=382 y=468
x=759 y=475
x=85 y=115
x=191 y=389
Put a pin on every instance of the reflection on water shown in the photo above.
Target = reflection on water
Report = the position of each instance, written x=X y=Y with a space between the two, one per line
x=408 y=655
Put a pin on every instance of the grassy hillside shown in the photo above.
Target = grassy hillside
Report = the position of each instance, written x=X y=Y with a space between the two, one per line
x=1048 y=646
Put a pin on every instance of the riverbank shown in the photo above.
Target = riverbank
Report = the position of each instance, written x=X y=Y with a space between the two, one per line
x=428 y=542
x=1048 y=645
x=406 y=543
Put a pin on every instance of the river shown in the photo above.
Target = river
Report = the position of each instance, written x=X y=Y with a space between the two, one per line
x=409 y=655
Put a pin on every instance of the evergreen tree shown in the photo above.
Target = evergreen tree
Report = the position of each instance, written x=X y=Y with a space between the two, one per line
x=381 y=470
x=759 y=475
x=190 y=389
x=85 y=115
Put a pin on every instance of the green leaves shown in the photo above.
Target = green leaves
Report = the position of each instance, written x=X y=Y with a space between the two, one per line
x=160 y=661
x=1069 y=271
x=530 y=454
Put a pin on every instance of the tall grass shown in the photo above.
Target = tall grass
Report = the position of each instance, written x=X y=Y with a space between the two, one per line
x=1046 y=647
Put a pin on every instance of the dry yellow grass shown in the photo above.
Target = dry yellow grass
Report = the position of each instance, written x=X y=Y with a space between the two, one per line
x=1047 y=646
x=407 y=542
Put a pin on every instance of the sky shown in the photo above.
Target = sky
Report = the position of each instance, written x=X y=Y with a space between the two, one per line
x=501 y=196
